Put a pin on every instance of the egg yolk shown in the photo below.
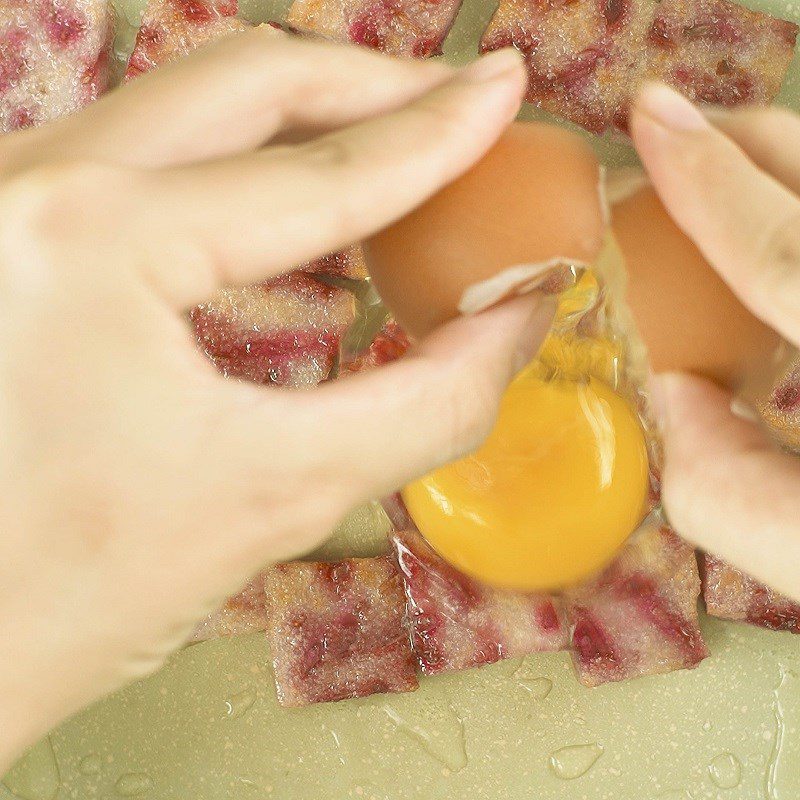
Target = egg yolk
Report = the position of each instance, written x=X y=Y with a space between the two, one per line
x=557 y=487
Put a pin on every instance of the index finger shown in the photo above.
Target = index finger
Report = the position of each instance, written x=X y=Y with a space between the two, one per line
x=746 y=223
x=235 y=94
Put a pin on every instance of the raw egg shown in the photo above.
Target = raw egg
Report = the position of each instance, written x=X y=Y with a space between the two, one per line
x=556 y=488
x=533 y=199
x=562 y=480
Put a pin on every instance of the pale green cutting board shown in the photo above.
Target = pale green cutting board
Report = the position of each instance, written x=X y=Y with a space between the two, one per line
x=208 y=727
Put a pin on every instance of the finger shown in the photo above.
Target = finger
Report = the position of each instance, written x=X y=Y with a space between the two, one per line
x=257 y=215
x=235 y=94
x=746 y=224
x=365 y=435
x=769 y=135
x=437 y=404
x=726 y=486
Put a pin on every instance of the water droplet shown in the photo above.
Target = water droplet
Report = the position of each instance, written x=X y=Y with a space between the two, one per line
x=134 y=783
x=726 y=771
x=575 y=760
x=529 y=679
x=338 y=745
x=707 y=726
x=439 y=730
x=35 y=776
x=240 y=704
x=90 y=765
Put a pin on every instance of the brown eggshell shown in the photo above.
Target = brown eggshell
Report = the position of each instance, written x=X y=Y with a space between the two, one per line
x=686 y=315
x=533 y=200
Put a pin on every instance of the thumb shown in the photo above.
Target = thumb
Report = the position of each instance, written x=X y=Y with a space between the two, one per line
x=438 y=403
x=727 y=488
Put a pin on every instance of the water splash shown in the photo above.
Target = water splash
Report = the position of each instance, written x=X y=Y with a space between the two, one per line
x=726 y=771
x=771 y=788
x=440 y=732
x=575 y=760
x=133 y=784
x=35 y=776
x=90 y=765
x=238 y=705
x=529 y=679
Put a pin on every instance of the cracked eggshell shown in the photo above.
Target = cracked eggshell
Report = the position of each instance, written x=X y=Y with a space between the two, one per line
x=686 y=315
x=532 y=204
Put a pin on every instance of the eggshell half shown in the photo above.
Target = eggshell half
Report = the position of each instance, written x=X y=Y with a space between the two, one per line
x=686 y=315
x=531 y=204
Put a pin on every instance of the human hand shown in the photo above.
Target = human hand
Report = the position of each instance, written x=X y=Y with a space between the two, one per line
x=140 y=487
x=731 y=181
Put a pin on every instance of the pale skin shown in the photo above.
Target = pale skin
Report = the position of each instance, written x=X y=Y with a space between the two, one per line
x=140 y=487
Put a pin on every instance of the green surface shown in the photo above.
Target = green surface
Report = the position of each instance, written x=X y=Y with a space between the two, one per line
x=208 y=726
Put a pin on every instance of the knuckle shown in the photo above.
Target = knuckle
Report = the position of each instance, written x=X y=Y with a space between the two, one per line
x=777 y=274
x=59 y=202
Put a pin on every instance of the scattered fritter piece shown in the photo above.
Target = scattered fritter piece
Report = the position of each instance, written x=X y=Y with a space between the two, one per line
x=781 y=409
x=347 y=263
x=336 y=630
x=639 y=617
x=731 y=594
x=586 y=60
x=457 y=622
x=389 y=344
x=284 y=332
x=412 y=28
x=243 y=612
x=173 y=28
x=54 y=58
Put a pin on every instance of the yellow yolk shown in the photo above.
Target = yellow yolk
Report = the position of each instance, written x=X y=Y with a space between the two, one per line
x=560 y=483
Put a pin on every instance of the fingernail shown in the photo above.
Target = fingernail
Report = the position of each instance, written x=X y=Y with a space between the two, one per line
x=670 y=109
x=535 y=329
x=657 y=400
x=495 y=65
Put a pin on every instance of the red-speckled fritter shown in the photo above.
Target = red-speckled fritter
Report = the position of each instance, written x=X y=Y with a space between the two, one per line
x=639 y=617
x=412 y=28
x=172 y=28
x=243 y=612
x=284 y=332
x=389 y=344
x=457 y=622
x=586 y=59
x=730 y=594
x=347 y=263
x=336 y=631
x=54 y=58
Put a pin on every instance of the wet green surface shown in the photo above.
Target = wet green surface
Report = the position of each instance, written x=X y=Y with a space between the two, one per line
x=208 y=726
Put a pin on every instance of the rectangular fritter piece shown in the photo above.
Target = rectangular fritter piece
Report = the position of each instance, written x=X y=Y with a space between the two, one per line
x=284 y=332
x=411 y=28
x=639 y=617
x=54 y=58
x=586 y=60
x=731 y=594
x=336 y=630
x=243 y=612
x=389 y=344
x=347 y=263
x=458 y=623
x=173 y=28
